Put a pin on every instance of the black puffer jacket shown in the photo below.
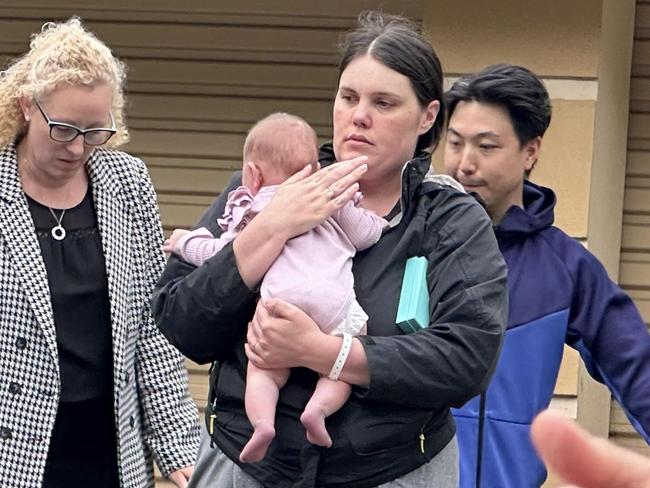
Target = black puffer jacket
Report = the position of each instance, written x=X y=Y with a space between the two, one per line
x=402 y=419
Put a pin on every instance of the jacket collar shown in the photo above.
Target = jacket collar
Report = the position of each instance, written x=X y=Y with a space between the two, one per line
x=10 y=188
x=537 y=214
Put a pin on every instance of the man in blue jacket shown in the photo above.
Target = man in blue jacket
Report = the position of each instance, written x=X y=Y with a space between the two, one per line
x=559 y=292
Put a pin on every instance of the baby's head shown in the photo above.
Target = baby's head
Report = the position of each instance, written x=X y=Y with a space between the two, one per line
x=276 y=147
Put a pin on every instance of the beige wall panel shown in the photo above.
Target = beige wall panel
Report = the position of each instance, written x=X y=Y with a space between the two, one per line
x=635 y=269
x=204 y=42
x=642 y=20
x=635 y=144
x=280 y=12
x=565 y=163
x=210 y=42
x=638 y=163
x=639 y=95
x=200 y=163
x=553 y=38
x=178 y=215
x=637 y=199
x=637 y=236
x=567 y=380
x=178 y=210
x=641 y=57
x=220 y=112
x=15 y=34
x=181 y=180
x=230 y=109
x=232 y=78
x=183 y=144
x=639 y=126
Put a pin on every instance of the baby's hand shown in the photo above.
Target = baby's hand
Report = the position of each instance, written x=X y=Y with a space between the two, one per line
x=169 y=244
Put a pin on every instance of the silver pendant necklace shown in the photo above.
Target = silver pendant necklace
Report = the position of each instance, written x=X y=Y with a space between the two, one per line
x=58 y=232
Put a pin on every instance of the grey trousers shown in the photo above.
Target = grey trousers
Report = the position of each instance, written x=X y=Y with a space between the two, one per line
x=213 y=469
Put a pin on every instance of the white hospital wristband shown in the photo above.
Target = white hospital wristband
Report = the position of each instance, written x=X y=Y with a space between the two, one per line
x=341 y=358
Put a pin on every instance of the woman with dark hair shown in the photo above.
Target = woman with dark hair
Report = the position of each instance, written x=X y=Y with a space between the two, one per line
x=396 y=429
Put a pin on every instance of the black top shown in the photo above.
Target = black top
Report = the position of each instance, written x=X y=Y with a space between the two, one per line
x=76 y=274
x=83 y=446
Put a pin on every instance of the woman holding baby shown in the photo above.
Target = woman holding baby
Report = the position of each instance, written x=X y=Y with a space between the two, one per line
x=396 y=428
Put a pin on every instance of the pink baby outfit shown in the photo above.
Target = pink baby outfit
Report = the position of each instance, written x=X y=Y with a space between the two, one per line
x=314 y=270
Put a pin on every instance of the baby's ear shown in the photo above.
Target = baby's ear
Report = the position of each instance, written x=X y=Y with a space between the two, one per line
x=255 y=177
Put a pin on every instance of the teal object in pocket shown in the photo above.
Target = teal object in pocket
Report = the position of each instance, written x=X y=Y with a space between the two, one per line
x=413 y=309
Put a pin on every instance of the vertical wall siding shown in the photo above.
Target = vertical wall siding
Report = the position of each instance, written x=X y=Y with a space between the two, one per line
x=635 y=247
x=200 y=74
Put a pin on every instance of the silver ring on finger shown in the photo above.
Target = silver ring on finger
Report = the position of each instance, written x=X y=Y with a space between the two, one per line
x=329 y=192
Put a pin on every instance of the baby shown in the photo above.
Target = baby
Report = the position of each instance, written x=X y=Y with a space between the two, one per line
x=313 y=271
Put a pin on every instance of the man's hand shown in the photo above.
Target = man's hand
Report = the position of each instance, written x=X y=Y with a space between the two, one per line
x=584 y=460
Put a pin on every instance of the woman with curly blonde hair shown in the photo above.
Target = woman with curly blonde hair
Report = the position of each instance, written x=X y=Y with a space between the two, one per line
x=94 y=391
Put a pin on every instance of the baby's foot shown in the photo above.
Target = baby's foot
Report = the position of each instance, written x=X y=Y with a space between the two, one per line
x=255 y=448
x=314 y=422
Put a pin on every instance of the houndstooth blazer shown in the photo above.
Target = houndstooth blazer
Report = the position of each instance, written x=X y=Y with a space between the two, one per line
x=154 y=413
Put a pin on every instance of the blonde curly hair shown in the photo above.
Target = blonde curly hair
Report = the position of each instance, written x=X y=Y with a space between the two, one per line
x=62 y=52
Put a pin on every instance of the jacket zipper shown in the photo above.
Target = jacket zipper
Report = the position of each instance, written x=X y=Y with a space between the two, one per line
x=481 y=426
x=213 y=415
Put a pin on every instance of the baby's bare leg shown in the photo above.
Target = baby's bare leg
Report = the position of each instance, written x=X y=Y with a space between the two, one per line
x=328 y=397
x=262 y=390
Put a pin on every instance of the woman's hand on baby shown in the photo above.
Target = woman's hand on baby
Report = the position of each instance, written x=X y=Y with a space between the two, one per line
x=280 y=335
x=306 y=200
x=169 y=244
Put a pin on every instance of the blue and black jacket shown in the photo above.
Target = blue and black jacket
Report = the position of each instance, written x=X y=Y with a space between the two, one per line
x=559 y=294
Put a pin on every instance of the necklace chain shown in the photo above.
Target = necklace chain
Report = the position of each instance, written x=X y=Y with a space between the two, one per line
x=58 y=232
x=58 y=219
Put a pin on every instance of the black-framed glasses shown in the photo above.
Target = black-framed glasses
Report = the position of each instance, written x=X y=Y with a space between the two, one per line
x=62 y=132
